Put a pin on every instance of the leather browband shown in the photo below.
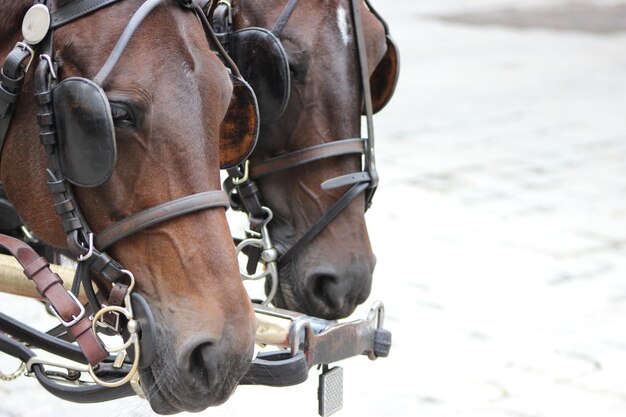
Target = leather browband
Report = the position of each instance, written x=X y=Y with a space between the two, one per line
x=159 y=214
x=75 y=9
x=306 y=155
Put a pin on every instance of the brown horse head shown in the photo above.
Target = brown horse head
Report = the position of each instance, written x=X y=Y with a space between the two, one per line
x=331 y=275
x=168 y=94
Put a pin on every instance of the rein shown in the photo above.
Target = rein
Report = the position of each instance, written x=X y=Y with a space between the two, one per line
x=108 y=367
x=241 y=185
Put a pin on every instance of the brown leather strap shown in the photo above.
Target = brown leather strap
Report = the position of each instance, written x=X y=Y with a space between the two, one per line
x=306 y=155
x=160 y=214
x=284 y=17
x=369 y=159
x=50 y=286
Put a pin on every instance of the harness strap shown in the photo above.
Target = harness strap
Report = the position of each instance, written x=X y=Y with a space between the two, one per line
x=47 y=342
x=370 y=162
x=306 y=155
x=328 y=216
x=160 y=214
x=11 y=79
x=119 y=48
x=76 y=9
x=65 y=306
x=284 y=17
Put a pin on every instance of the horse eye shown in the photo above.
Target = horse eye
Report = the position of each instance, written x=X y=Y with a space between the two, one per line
x=122 y=115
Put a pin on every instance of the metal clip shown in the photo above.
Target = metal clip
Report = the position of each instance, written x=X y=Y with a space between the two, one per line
x=269 y=256
x=245 y=177
x=36 y=360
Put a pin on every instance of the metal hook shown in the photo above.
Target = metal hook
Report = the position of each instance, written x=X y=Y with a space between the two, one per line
x=86 y=256
x=50 y=65
x=245 y=177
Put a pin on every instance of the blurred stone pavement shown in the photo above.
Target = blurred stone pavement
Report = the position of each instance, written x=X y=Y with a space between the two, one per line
x=499 y=224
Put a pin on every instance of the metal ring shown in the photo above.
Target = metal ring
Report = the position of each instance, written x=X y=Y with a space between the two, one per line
x=131 y=374
x=116 y=309
x=13 y=375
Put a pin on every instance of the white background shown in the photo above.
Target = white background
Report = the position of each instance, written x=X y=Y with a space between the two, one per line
x=498 y=226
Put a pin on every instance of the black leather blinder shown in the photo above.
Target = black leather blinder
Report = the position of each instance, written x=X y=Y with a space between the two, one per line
x=85 y=132
x=263 y=62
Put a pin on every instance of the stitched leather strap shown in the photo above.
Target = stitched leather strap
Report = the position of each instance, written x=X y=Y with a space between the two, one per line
x=160 y=214
x=75 y=9
x=306 y=155
x=11 y=78
x=50 y=286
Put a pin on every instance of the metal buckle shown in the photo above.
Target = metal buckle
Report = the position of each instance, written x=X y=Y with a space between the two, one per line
x=228 y=4
x=76 y=319
x=24 y=47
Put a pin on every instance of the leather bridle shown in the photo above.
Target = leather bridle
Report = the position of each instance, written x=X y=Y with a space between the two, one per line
x=89 y=249
x=241 y=180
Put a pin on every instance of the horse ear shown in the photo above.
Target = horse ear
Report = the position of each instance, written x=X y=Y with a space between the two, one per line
x=385 y=76
x=239 y=130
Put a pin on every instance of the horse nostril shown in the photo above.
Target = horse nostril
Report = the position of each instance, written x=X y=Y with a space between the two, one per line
x=199 y=362
x=327 y=289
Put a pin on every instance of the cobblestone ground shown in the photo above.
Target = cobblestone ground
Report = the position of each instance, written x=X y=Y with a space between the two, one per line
x=499 y=224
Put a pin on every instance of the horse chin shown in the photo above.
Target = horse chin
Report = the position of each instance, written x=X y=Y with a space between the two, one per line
x=173 y=396
x=171 y=389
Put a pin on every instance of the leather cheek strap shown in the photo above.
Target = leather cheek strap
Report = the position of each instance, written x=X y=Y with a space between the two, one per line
x=50 y=286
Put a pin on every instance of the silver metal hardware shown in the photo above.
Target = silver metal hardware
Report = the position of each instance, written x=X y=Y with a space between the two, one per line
x=36 y=360
x=245 y=177
x=29 y=234
x=269 y=256
x=75 y=319
x=376 y=315
x=50 y=65
x=119 y=359
x=228 y=4
x=133 y=328
x=135 y=384
x=330 y=391
x=89 y=253
x=36 y=24
x=13 y=375
x=24 y=46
